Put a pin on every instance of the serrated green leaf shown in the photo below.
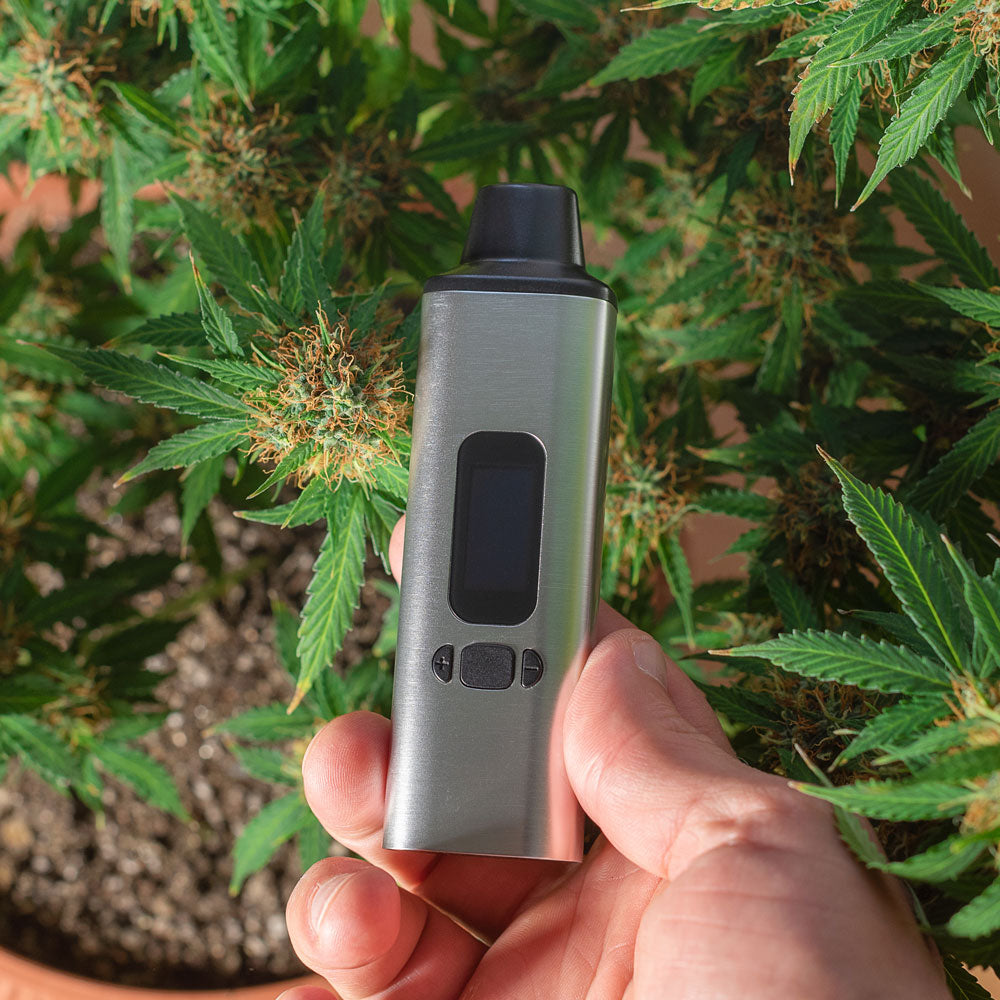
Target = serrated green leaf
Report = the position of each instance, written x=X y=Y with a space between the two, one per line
x=971 y=302
x=936 y=91
x=303 y=281
x=286 y=636
x=145 y=776
x=132 y=727
x=151 y=383
x=308 y=508
x=824 y=80
x=33 y=360
x=240 y=375
x=173 y=330
x=269 y=723
x=313 y=843
x=742 y=707
x=198 y=487
x=984 y=105
x=265 y=764
x=895 y=723
x=944 y=230
x=334 y=590
x=116 y=208
x=844 y=128
x=471 y=141
x=146 y=105
x=940 y=863
x=661 y=50
x=572 y=13
x=225 y=257
x=779 y=367
x=213 y=38
x=737 y=338
x=749 y=541
x=979 y=917
x=40 y=749
x=794 y=606
x=59 y=485
x=848 y=659
x=907 y=558
x=896 y=800
x=964 y=464
x=277 y=822
x=720 y=68
x=103 y=588
x=208 y=440
x=962 y=766
x=215 y=322
x=678 y=574
x=26 y=692
x=924 y=33
x=982 y=596
x=735 y=503
x=132 y=645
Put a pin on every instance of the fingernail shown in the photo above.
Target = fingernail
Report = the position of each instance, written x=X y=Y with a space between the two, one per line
x=650 y=660
x=324 y=896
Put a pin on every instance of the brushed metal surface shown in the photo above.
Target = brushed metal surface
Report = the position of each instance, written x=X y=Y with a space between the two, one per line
x=476 y=771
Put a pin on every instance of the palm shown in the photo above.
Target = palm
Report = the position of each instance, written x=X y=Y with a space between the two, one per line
x=721 y=882
x=577 y=940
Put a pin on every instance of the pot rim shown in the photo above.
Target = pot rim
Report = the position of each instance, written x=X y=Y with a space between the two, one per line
x=25 y=979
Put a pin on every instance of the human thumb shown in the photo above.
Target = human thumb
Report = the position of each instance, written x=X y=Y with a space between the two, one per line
x=649 y=762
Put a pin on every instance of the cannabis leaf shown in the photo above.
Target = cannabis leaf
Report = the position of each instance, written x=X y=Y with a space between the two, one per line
x=151 y=383
x=208 y=440
x=148 y=778
x=898 y=800
x=335 y=586
x=961 y=467
x=936 y=91
x=662 y=50
x=907 y=559
x=944 y=229
x=834 y=656
x=825 y=78
x=971 y=302
x=277 y=822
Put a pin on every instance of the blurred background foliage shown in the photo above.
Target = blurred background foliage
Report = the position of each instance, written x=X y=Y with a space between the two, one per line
x=240 y=317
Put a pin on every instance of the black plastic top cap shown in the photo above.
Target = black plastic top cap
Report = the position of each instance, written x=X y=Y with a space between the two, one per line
x=525 y=222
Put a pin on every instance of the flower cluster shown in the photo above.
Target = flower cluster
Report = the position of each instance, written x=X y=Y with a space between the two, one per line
x=340 y=399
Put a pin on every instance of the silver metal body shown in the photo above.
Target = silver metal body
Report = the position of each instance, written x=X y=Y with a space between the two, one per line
x=475 y=771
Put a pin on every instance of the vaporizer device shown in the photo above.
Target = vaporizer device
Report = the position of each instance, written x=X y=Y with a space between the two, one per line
x=504 y=528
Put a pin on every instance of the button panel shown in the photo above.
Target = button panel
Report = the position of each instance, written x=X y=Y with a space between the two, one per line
x=531 y=668
x=442 y=662
x=487 y=665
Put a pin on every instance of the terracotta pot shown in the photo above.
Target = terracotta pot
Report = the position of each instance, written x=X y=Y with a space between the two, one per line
x=21 y=979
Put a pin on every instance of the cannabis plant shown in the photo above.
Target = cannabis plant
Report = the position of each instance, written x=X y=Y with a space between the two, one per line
x=921 y=714
x=277 y=186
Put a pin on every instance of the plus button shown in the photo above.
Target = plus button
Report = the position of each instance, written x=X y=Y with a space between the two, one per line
x=442 y=663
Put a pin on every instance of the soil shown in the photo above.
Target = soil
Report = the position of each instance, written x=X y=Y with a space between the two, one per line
x=142 y=898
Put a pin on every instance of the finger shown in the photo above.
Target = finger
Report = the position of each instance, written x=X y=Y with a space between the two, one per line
x=344 y=773
x=306 y=993
x=350 y=922
x=647 y=761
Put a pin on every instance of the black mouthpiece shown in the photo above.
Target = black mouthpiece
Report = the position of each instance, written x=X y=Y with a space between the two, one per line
x=525 y=222
x=523 y=238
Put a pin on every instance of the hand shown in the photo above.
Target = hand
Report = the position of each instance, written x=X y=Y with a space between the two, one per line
x=710 y=880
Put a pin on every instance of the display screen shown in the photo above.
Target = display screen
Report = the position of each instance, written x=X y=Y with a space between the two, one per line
x=497 y=529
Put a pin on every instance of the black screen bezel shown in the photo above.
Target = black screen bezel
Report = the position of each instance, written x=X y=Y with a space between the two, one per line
x=517 y=449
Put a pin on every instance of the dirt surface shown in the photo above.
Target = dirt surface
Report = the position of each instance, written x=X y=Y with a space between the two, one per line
x=142 y=899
